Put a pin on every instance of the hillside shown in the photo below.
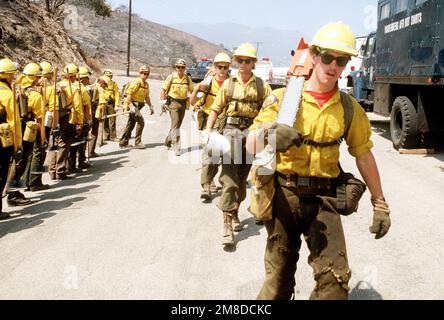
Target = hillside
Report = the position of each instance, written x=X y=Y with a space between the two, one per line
x=28 y=33
x=104 y=41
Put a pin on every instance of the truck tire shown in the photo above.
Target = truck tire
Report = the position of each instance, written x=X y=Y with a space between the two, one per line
x=404 y=124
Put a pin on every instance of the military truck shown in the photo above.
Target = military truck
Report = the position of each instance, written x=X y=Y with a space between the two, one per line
x=402 y=72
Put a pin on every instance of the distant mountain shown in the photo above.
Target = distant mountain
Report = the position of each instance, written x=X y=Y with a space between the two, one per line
x=273 y=43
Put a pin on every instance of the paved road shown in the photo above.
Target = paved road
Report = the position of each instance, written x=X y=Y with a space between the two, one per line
x=133 y=227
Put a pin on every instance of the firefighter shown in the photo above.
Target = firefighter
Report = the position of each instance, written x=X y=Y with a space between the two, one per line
x=137 y=94
x=34 y=167
x=98 y=105
x=70 y=123
x=112 y=97
x=31 y=113
x=221 y=65
x=78 y=148
x=10 y=129
x=175 y=91
x=307 y=170
x=238 y=101
x=49 y=92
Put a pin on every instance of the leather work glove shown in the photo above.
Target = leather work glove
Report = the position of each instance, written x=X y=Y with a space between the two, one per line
x=381 y=218
x=286 y=137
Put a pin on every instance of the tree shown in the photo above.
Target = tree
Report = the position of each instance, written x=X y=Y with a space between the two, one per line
x=55 y=7
x=100 y=7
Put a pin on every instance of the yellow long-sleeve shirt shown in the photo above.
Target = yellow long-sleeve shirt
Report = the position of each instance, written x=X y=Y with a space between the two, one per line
x=13 y=119
x=241 y=104
x=178 y=88
x=86 y=103
x=138 y=90
x=207 y=100
x=324 y=124
x=112 y=93
x=74 y=101
x=49 y=98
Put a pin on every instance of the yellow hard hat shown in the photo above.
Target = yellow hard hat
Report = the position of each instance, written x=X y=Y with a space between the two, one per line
x=32 y=69
x=107 y=73
x=222 y=57
x=8 y=66
x=46 y=67
x=71 y=69
x=84 y=72
x=144 y=69
x=106 y=79
x=180 y=62
x=336 y=36
x=246 y=50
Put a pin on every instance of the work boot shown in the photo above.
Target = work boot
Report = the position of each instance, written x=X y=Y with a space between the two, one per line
x=139 y=146
x=213 y=187
x=258 y=222
x=237 y=224
x=16 y=198
x=177 y=149
x=84 y=165
x=4 y=215
x=168 y=143
x=205 y=194
x=228 y=238
x=74 y=170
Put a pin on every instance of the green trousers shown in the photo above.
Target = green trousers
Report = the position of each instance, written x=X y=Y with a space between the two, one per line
x=177 y=113
x=235 y=170
x=293 y=217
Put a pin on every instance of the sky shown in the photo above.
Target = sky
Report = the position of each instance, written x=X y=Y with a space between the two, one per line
x=303 y=16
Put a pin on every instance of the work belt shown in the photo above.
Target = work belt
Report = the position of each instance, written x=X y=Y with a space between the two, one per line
x=322 y=144
x=179 y=100
x=310 y=186
x=239 y=121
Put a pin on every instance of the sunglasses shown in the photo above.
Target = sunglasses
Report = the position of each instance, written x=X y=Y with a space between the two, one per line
x=223 y=67
x=341 y=61
x=247 y=61
x=146 y=73
x=180 y=67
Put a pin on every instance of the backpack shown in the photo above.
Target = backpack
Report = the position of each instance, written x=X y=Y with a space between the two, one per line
x=22 y=101
x=348 y=107
x=125 y=87
x=259 y=89
x=187 y=77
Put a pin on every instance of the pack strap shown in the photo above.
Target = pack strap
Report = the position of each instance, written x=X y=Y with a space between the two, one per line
x=348 y=107
x=259 y=90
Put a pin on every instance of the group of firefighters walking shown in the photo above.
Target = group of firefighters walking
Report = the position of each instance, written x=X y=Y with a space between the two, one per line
x=305 y=194
x=46 y=121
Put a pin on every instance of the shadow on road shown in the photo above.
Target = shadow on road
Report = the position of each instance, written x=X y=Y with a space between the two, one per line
x=53 y=199
x=364 y=291
x=251 y=229
x=154 y=145
x=382 y=128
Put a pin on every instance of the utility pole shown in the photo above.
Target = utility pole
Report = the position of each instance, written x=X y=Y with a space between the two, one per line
x=129 y=40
